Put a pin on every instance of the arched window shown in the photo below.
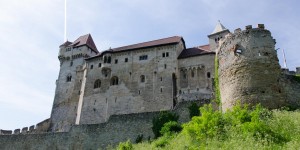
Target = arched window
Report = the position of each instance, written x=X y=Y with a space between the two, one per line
x=192 y=73
x=109 y=59
x=105 y=59
x=114 y=81
x=97 y=84
x=69 y=78
x=142 y=78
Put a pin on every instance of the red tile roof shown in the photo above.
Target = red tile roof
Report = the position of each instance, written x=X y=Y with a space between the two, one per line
x=159 y=42
x=195 y=51
x=67 y=43
x=164 y=41
x=85 y=40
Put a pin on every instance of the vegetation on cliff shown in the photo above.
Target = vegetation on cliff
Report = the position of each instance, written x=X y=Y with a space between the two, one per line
x=240 y=128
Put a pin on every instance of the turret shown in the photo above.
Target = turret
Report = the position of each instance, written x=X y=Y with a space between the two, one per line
x=68 y=85
x=249 y=70
x=218 y=34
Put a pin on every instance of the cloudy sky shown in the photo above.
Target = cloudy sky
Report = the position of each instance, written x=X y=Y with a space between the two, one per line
x=32 y=30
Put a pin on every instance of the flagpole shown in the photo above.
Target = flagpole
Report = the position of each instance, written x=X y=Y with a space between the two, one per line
x=65 y=34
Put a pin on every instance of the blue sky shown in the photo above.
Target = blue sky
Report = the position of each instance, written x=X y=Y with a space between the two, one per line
x=32 y=30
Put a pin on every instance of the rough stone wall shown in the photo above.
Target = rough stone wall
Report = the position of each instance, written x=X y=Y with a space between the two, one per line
x=291 y=88
x=196 y=77
x=249 y=70
x=298 y=70
x=67 y=93
x=131 y=95
x=93 y=136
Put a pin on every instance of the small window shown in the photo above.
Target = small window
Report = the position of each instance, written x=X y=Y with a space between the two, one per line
x=167 y=54
x=144 y=57
x=184 y=75
x=165 y=66
x=163 y=55
x=239 y=51
x=192 y=74
x=92 y=66
x=114 y=81
x=139 y=92
x=161 y=90
x=71 y=63
x=208 y=74
x=160 y=78
x=69 y=78
x=105 y=59
x=99 y=65
x=109 y=59
x=142 y=78
x=116 y=61
x=97 y=84
x=126 y=59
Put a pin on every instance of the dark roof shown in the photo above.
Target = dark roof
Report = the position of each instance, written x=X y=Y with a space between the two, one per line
x=159 y=42
x=67 y=43
x=85 y=40
x=195 y=51
x=164 y=41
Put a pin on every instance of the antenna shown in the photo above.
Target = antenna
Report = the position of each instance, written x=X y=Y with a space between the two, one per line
x=65 y=35
x=284 y=59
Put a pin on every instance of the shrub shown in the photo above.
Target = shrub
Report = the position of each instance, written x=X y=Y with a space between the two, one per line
x=125 y=145
x=194 y=110
x=160 y=120
x=170 y=127
x=139 y=138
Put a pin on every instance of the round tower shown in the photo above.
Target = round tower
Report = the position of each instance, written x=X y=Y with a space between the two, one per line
x=249 y=71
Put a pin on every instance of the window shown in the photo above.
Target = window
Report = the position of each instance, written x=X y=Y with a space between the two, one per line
x=163 y=54
x=184 y=75
x=165 y=66
x=126 y=59
x=144 y=57
x=116 y=61
x=68 y=49
x=92 y=67
x=208 y=74
x=114 y=81
x=142 y=78
x=99 y=65
x=160 y=78
x=105 y=59
x=192 y=74
x=109 y=59
x=161 y=90
x=69 y=78
x=167 y=54
x=97 y=84
x=71 y=63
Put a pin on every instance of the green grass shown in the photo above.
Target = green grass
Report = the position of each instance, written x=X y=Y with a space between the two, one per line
x=240 y=128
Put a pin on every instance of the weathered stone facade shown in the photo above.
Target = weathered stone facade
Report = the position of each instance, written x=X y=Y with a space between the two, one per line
x=249 y=71
x=145 y=77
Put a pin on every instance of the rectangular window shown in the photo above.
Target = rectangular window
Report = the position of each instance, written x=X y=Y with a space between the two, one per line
x=126 y=59
x=92 y=66
x=163 y=54
x=144 y=57
x=116 y=61
x=99 y=65
x=167 y=54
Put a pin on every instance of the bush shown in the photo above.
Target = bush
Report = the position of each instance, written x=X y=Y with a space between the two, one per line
x=170 y=128
x=159 y=121
x=125 y=145
x=139 y=138
x=194 y=110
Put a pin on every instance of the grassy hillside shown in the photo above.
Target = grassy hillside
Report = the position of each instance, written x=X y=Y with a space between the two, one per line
x=241 y=128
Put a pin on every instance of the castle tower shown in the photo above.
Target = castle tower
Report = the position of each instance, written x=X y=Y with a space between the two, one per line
x=68 y=85
x=218 y=34
x=249 y=70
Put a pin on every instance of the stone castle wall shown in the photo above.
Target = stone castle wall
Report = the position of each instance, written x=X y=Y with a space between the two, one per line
x=249 y=70
x=93 y=136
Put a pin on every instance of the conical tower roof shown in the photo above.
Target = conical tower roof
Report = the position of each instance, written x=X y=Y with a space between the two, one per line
x=219 y=28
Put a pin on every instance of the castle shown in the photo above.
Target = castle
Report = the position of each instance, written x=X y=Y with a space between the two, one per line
x=102 y=95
